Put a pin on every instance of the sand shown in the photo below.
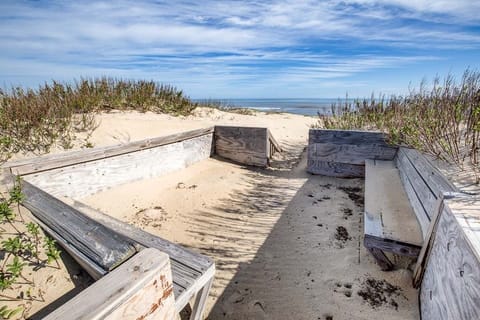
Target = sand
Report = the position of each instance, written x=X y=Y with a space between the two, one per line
x=287 y=245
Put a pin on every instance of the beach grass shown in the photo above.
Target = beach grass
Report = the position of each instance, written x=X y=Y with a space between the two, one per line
x=442 y=119
x=32 y=120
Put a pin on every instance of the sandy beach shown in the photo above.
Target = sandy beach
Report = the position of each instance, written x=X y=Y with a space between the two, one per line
x=287 y=244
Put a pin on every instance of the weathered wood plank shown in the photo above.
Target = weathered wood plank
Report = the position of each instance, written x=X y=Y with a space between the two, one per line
x=275 y=146
x=422 y=217
x=342 y=153
x=92 y=268
x=105 y=247
x=419 y=270
x=141 y=288
x=388 y=213
x=352 y=137
x=246 y=145
x=380 y=257
x=191 y=271
x=437 y=182
x=48 y=162
x=352 y=154
x=420 y=187
x=81 y=180
x=451 y=285
x=333 y=169
x=396 y=247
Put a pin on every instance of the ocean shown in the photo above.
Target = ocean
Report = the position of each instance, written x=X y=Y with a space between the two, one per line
x=309 y=107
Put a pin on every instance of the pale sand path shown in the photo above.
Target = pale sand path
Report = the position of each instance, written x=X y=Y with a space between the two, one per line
x=270 y=232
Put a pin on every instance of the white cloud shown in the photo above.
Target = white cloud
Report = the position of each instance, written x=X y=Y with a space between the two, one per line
x=228 y=42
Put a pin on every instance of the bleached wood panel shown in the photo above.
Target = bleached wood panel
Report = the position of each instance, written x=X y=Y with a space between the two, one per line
x=245 y=145
x=342 y=153
x=81 y=180
x=451 y=285
x=191 y=271
x=351 y=154
x=141 y=288
x=53 y=161
x=423 y=183
x=102 y=246
x=349 y=137
x=388 y=213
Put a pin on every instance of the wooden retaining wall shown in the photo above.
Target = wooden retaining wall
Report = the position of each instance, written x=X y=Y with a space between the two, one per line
x=91 y=175
x=246 y=145
x=342 y=153
x=451 y=285
x=102 y=245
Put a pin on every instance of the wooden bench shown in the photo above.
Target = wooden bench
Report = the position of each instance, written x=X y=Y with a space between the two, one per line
x=402 y=200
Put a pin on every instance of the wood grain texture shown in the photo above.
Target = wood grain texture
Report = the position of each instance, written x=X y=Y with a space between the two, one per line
x=352 y=154
x=421 y=187
x=191 y=271
x=451 y=285
x=397 y=247
x=105 y=247
x=53 y=161
x=81 y=180
x=333 y=169
x=437 y=182
x=245 y=145
x=424 y=255
x=388 y=213
x=342 y=153
x=350 y=137
x=141 y=288
x=427 y=182
x=422 y=217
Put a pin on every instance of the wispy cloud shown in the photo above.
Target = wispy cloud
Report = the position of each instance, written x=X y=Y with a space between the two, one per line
x=211 y=48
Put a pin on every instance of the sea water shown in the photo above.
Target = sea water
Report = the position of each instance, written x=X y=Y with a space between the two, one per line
x=309 y=107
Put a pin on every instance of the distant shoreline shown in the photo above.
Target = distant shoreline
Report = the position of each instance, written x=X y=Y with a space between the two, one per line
x=307 y=107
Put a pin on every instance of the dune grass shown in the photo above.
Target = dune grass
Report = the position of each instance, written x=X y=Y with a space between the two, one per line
x=32 y=120
x=442 y=120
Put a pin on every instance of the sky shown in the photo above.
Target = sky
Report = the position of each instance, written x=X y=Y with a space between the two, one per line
x=242 y=49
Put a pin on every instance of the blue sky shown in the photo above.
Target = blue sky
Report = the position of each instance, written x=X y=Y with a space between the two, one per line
x=242 y=49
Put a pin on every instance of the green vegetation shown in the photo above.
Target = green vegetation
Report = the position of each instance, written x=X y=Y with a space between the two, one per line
x=34 y=120
x=443 y=120
x=25 y=246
